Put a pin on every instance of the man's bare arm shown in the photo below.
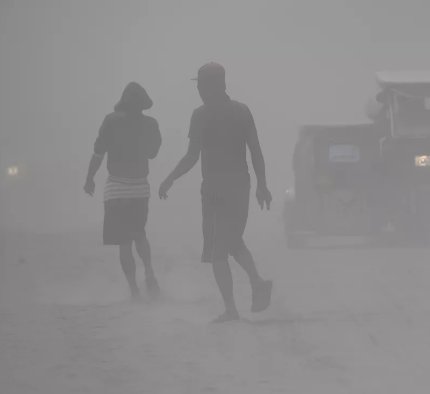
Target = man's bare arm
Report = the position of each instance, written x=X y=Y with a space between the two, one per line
x=184 y=165
x=263 y=194
x=187 y=162
x=257 y=158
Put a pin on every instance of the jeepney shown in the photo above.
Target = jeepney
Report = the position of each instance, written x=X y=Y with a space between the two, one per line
x=336 y=169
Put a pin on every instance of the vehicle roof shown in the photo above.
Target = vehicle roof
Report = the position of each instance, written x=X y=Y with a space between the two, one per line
x=396 y=78
x=318 y=128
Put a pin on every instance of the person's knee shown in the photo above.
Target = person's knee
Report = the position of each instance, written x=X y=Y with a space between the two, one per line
x=125 y=246
x=125 y=249
x=221 y=268
x=140 y=238
x=238 y=249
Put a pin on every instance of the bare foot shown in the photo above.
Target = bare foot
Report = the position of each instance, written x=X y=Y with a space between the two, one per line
x=152 y=287
x=136 y=297
x=261 y=296
x=226 y=317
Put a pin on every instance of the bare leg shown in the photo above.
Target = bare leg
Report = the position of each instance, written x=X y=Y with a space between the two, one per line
x=144 y=251
x=224 y=280
x=261 y=289
x=129 y=267
x=245 y=260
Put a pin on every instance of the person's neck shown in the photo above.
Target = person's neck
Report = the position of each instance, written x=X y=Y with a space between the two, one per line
x=217 y=99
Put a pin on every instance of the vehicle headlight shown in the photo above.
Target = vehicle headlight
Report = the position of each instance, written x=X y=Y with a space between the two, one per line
x=12 y=171
x=290 y=194
x=422 y=161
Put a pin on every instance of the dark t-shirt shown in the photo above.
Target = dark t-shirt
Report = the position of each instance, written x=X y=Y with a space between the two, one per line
x=129 y=141
x=223 y=131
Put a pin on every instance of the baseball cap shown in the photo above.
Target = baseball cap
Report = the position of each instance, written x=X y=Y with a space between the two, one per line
x=210 y=72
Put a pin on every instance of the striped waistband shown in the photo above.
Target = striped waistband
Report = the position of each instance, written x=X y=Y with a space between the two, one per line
x=118 y=187
x=129 y=181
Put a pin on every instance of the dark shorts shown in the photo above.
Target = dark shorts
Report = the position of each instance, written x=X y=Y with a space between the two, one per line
x=123 y=218
x=225 y=213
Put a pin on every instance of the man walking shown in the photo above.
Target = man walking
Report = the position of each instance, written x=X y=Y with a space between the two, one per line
x=130 y=139
x=221 y=130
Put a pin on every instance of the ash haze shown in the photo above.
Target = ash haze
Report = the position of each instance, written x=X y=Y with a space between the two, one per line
x=64 y=65
x=347 y=320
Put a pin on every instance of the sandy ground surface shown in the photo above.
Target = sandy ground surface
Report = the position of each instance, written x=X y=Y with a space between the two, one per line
x=347 y=320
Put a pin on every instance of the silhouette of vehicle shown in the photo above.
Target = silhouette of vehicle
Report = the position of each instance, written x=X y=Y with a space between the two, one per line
x=335 y=181
x=405 y=151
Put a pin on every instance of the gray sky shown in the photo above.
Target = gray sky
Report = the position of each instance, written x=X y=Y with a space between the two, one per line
x=65 y=63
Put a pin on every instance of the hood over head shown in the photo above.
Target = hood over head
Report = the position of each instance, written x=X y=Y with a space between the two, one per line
x=134 y=99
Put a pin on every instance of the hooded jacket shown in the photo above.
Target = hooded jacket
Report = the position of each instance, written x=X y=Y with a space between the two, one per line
x=129 y=137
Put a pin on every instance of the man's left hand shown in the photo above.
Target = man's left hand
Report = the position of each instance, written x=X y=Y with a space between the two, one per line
x=264 y=197
x=164 y=188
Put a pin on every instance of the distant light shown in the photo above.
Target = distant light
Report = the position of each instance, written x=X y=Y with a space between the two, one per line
x=422 y=161
x=13 y=171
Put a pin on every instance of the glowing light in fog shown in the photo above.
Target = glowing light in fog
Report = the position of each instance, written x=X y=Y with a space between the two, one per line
x=12 y=171
x=422 y=161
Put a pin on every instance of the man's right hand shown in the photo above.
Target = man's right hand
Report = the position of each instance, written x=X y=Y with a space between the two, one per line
x=90 y=187
x=164 y=188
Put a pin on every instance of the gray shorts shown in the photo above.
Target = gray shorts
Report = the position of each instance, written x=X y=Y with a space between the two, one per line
x=123 y=219
x=225 y=214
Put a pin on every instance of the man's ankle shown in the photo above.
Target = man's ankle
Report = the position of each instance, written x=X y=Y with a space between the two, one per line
x=134 y=289
x=231 y=309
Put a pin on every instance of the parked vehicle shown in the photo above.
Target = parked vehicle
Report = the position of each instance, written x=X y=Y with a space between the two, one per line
x=405 y=151
x=336 y=171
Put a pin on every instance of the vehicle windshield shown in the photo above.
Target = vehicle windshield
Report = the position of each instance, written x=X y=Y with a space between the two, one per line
x=411 y=116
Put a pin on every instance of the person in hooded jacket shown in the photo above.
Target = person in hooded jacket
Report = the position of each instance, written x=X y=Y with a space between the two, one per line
x=129 y=139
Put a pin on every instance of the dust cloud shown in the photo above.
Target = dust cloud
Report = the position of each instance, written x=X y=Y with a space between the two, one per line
x=340 y=321
x=64 y=65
